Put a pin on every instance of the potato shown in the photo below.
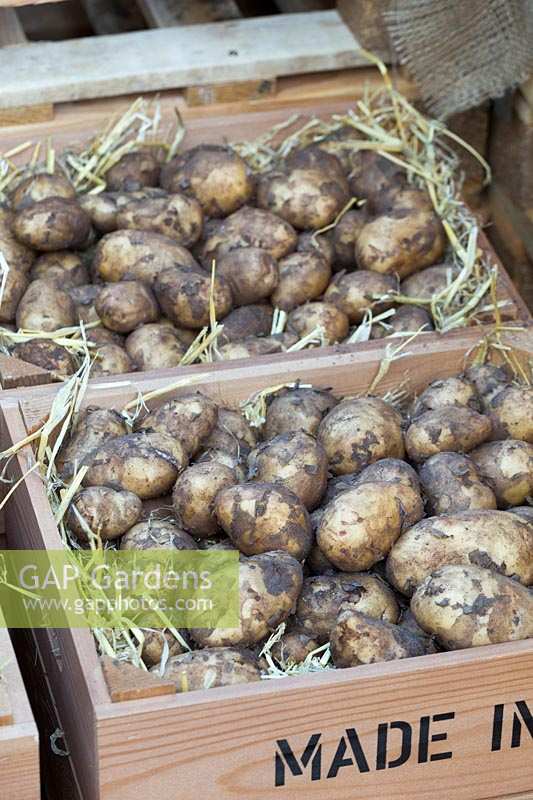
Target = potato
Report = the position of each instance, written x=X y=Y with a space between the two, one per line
x=111 y=359
x=333 y=322
x=309 y=242
x=216 y=176
x=212 y=667
x=133 y=171
x=248 y=348
x=231 y=431
x=145 y=463
x=293 y=648
x=84 y=298
x=45 y=353
x=345 y=235
x=250 y=227
x=184 y=297
x=526 y=512
x=511 y=413
x=406 y=483
x=66 y=269
x=359 y=527
x=157 y=534
x=405 y=320
x=400 y=244
x=15 y=286
x=306 y=197
x=427 y=283
x=124 y=306
x=403 y=199
x=507 y=467
x=408 y=623
x=93 y=427
x=101 y=335
x=156 y=642
x=102 y=209
x=454 y=391
x=373 y=175
x=313 y=157
x=488 y=379
x=251 y=273
x=155 y=346
x=52 y=224
x=234 y=462
x=177 y=216
x=139 y=255
x=297 y=409
x=294 y=460
x=453 y=428
x=355 y=293
x=194 y=497
x=41 y=187
x=358 y=432
x=269 y=586
x=190 y=418
x=466 y=606
x=261 y=517
x=246 y=322
x=452 y=483
x=342 y=143
x=359 y=639
x=105 y=512
x=322 y=597
x=491 y=539
x=19 y=257
x=45 y=307
x=302 y=277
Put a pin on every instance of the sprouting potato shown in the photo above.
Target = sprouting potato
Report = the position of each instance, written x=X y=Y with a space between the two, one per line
x=449 y=428
x=104 y=512
x=194 y=497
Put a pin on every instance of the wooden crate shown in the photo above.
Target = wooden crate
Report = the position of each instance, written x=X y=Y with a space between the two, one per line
x=19 y=741
x=233 y=743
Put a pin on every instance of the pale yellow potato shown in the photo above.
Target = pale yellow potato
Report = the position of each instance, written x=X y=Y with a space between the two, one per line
x=138 y=255
x=185 y=297
x=333 y=322
x=124 y=306
x=45 y=307
x=297 y=409
x=454 y=391
x=106 y=512
x=511 y=413
x=359 y=639
x=177 y=216
x=302 y=277
x=40 y=187
x=448 y=428
x=212 y=667
x=155 y=345
x=306 y=197
x=507 y=467
x=355 y=293
x=190 y=418
x=111 y=359
x=52 y=224
x=194 y=497
x=132 y=172
x=251 y=273
x=93 y=427
x=452 y=483
x=157 y=534
x=250 y=227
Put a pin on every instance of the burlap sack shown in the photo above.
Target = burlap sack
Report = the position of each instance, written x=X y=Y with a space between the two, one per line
x=462 y=52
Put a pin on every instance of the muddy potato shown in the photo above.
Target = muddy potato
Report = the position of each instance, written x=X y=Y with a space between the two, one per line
x=194 y=497
x=105 y=512
x=491 y=539
x=428 y=282
x=452 y=483
x=294 y=460
x=15 y=286
x=355 y=293
x=234 y=462
x=232 y=424
x=53 y=224
x=345 y=235
x=124 y=306
x=157 y=534
x=212 y=667
x=454 y=391
x=308 y=242
x=526 y=512
x=359 y=639
x=139 y=255
x=251 y=273
x=323 y=595
x=399 y=244
x=246 y=322
x=342 y=143
x=41 y=187
x=404 y=199
x=307 y=198
x=406 y=483
x=358 y=432
x=157 y=642
x=293 y=648
x=111 y=359
x=66 y=269
x=155 y=346
x=406 y=320
x=269 y=586
x=507 y=467
x=315 y=157
x=185 y=297
x=333 y=322
x=302 y=277
x=408 y=623
x=488 y=379
x=261 y=517
x=102 y=209
x=45 y=353
x=250 y=227
x=177 y=216
x=297 y=409
x=466 y=606
x=93 y=427
x=19 y=257
x=133 y=171
x=146 y=464
x=84 y=298
x=449 y=428
x=373 y=176
x=248 y=348
x=511 y=413
x=45 y=307
x=190 y=418
x=359 y=527
x=215 y=175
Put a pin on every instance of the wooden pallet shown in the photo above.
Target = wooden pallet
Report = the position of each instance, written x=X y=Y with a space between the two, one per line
x=222 y=744
x=19 y=743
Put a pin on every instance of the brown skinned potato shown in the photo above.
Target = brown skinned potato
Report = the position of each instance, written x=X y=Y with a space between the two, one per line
x=111 y=359
x=251 y=273
x=261 y=517
x=194 y=497
x=47 y=354
x=15 y=286
x=246 y=322
x=511 y=413
x=106 y=512
x=250 y=347
x=157 y=534
x=190 y=418
x=345 y=235
x=358 y=639
x=93 y=427
x=84 y=298
x=490 y=539
x=216 y=176
x=489 y=380
x=308 y=242
x=231 y=431
x=177 y=216
x=406 y=319
x=185 y=296
x=40 y=187
x=507 y=467
x=155 y=346
x=139 y=255
x=297 y=409
x=250 y=227
x=52 y=224
x=333 y=322
x=373 y=175
x=67 y=269
x=212 y=667
x=133 y=171
x=449 y=428
x=102 y=209
x=124 y=306
x=45 y=307
x=355 y=293
x=302 y=277
x=452 y=483
x=293 y=648
x=154 y=645
x=428 y=282
x=19 y=257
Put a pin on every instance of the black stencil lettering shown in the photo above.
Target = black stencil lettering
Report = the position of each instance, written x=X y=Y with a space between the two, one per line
x=407 y=735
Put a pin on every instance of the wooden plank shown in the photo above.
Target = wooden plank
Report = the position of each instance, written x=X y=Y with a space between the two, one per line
x=26 y=115
x=127 y=682
x=234 y=92
x=167 y=13
x=11 y=31
x=14 y=372
x=365 y=20
x=172 y=58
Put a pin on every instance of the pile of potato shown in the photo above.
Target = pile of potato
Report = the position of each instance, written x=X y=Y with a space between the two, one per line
x=386 y=535
x=138 y=257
